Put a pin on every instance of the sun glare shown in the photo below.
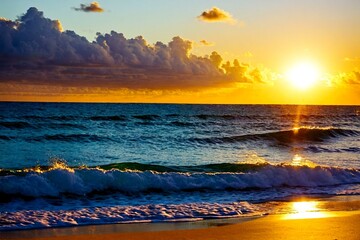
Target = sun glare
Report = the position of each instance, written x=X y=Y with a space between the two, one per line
x=306 y=209
x=303 y=75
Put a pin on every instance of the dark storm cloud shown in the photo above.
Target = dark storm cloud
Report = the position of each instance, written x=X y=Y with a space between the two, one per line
x=92 y=7
x=36 y=50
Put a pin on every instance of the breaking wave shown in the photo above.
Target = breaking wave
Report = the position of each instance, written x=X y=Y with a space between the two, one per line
x=81 y=181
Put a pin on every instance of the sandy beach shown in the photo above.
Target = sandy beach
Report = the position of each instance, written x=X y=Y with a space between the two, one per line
x=336 y=219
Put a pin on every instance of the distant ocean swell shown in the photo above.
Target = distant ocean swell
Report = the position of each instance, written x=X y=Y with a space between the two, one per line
x=25 y=125
x=31 y=121
x=286 y=136
x=81 y=181
x=304 y=134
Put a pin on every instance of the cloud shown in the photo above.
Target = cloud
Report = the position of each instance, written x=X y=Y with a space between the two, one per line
x=344 y=78
x=35 y=39
x=93 y=7
x=245 y=73
x=247 y=54
x=35 y=50
x=355 y=59
x=352 y=78
x=216 y=15
x=206 y=43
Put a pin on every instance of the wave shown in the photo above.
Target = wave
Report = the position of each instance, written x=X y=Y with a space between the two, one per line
x=217 y=167
x=287 y=136
x=148 y=117
x=317 y=149
x=135 y=166
x=56 y=118
x=263 y=117
x=173 y=115
x=70 y=138
x=73 y=117
x=3 y=137
x=316 y=116
x=223 y=117
x=351 y=149
x=82 y=181
x=63 y=126
x=109 y=118
x=182 y=124
x=52 y=125
x=258 y=117
x=16 y=125
x=28 y=219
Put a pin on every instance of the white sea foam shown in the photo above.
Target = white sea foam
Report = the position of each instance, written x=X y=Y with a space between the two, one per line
x=27 y=219
x=83 y=181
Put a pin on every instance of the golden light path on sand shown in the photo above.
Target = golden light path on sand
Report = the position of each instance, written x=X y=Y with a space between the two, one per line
x=306 y=210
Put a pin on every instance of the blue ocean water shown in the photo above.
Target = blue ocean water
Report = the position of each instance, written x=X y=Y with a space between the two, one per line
x=66 y=164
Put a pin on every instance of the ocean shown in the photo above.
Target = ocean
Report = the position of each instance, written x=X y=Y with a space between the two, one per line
x=71 y=164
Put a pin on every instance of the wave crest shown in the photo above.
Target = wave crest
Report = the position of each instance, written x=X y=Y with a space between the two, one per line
x=287 y=136
x=84 y=181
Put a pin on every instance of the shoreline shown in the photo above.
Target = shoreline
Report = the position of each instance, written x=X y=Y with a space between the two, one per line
x=336 y=217
x=340 y=225
x=127 y=228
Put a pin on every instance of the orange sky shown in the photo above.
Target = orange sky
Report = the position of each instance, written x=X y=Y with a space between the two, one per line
x=218 y=52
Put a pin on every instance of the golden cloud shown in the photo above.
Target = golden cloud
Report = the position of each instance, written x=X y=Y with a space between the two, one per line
x=93 y=7
x=216 y=15
x=206 y=43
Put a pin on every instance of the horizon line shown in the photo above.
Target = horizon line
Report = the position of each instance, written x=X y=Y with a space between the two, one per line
x=177 y=103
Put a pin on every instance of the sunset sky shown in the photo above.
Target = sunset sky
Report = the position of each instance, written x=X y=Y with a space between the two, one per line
x=257 y=52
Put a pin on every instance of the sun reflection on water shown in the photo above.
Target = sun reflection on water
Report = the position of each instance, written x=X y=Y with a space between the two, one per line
x=298 y=161
x=306 y=209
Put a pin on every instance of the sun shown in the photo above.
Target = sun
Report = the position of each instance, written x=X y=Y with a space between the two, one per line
x=303 y=75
